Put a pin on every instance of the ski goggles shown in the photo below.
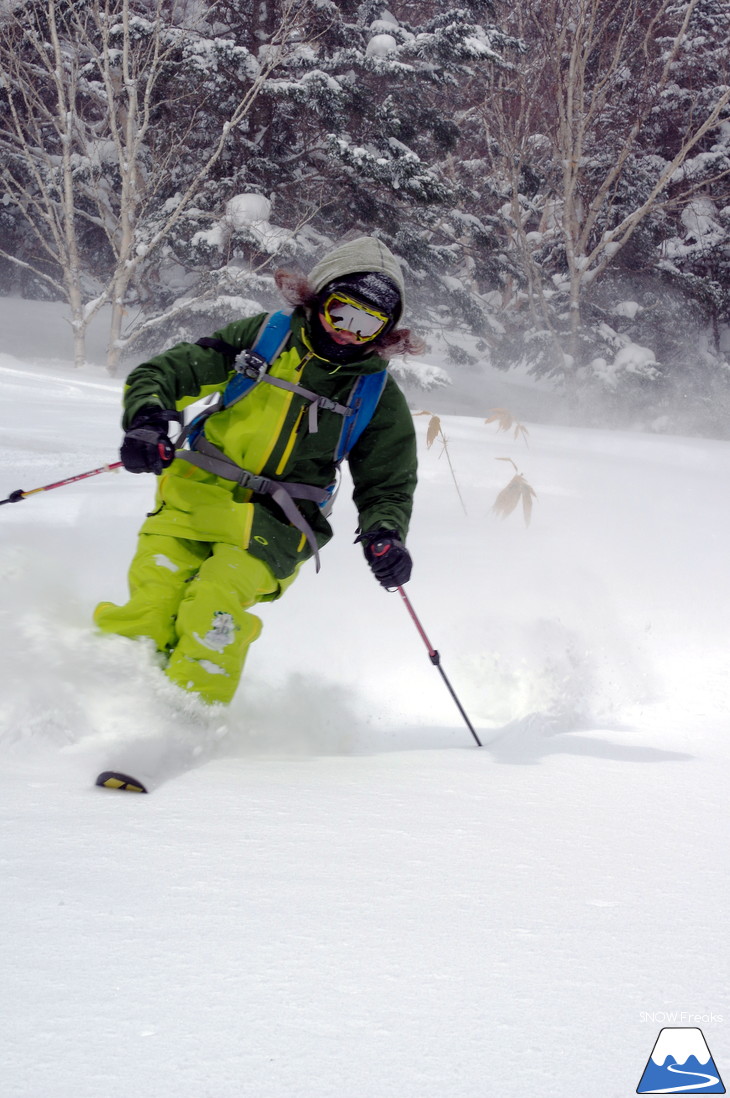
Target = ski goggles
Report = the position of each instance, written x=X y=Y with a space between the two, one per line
x=346 y=314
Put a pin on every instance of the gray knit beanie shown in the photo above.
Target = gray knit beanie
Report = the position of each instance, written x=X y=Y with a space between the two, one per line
x=363 y=256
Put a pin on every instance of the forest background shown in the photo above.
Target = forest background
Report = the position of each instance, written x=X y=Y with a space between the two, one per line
x=554 y=175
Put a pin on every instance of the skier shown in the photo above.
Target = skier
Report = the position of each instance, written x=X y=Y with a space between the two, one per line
x=240 y=510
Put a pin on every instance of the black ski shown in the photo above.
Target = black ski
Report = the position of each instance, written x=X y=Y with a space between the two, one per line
x=114 y=779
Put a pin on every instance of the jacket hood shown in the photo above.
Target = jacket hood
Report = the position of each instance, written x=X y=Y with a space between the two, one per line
x=359 y=256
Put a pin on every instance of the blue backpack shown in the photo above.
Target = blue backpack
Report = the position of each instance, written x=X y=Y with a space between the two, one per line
x=255 y=361
x=253 y=369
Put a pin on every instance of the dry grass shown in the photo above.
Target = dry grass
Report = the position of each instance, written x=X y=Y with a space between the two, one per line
x=506 y=422
x=433 y=432
x=517 y=491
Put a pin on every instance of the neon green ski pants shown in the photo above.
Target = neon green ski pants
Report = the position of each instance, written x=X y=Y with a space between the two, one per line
x=192 y=598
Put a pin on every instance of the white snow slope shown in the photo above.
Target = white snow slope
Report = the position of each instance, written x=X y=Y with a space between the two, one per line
x=352 y=900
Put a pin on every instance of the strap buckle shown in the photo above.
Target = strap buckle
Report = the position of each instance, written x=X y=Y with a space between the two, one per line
x=333 y=406
x=256 y=483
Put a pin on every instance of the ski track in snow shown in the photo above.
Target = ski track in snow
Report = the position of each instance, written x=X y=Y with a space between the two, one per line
x=342 y=896
x=710 y=1081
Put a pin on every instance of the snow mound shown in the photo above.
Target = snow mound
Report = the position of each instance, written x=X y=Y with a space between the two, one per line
x=381 y=45
x=247 y=209
x=250 y=215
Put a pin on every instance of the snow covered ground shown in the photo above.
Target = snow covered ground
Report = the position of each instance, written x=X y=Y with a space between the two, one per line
x=350 y=899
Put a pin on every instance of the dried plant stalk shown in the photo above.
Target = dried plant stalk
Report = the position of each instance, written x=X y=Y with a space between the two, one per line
x=517 y=491
x=506 y=421
x=435 y=431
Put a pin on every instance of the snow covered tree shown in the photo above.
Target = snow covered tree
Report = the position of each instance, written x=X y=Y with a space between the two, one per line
x=99 y=100
x=596 y=139
x=39 y=86
x=694 y=248
x=357 y=132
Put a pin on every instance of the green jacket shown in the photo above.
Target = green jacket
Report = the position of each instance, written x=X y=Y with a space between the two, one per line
x=267 y=433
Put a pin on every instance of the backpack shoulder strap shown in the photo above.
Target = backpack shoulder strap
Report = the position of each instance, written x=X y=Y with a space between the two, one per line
x=363 y=401
x=269 y=342
x=268 y=345
x=272 y=335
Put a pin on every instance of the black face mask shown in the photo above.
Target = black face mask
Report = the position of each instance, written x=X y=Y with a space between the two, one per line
x=341 y=353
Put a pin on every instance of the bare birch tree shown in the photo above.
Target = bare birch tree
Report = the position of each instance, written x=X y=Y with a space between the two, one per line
x=39 y=80
x=90 y=96
x=577 y=114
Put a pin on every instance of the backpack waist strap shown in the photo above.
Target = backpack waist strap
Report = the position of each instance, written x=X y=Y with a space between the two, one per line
x=208 y=457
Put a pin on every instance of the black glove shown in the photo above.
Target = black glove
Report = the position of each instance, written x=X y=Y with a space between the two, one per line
x=387 y=556
x=147 y=447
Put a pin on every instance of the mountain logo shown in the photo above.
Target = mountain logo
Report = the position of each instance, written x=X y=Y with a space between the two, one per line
x=680 y=1063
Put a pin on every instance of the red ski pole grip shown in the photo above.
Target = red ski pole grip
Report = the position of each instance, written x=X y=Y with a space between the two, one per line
x=380 y=548
x=166 y=450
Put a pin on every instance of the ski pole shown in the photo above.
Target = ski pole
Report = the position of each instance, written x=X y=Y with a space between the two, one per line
x=436 y=661
x=18 y=494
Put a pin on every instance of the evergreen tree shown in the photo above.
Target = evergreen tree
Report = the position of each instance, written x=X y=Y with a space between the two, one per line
x=357 y=132
x=603 y=141
x=102 y=99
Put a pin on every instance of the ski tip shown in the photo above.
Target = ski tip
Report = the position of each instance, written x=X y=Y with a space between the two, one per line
x=113 y=779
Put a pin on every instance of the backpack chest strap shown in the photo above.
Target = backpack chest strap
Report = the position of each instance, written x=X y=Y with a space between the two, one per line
x=315 y=402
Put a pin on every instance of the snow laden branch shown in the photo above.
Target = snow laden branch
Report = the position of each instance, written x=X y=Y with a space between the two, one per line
x=589 y=262
x=132 y=254
x=219 y=282
x=591 y=135
x=85 y=136
x=40 y=91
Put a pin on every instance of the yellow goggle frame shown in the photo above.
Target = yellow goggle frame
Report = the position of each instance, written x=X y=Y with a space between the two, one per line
x=347 y=314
